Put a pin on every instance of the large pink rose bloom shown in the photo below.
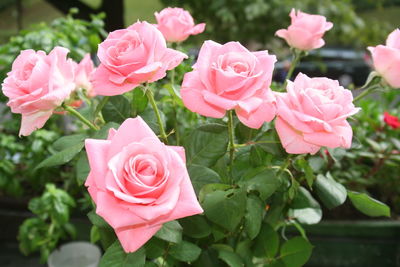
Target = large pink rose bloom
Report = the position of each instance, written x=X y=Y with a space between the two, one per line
x=386 y=59
x=83 y=73
x=313 y=114
x=138 y=183
x=37 y=84
x=227 y=77
x=133 y=56
x=306 y=31
x=176 y=24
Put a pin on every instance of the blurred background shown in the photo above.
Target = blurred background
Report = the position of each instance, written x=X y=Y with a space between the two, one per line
x=371 y=166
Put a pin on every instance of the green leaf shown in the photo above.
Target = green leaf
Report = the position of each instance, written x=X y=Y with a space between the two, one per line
x=206 y=144
x=195 y=226
x=305 y=208
x=139 y=101
x=243 y=249
x=296 y=252
x=226 y=254
x=225 y=208
x=208 y=188
x=103 y=132
x=68 y=141
x=82 y=169
x=308 y=171
x=116 y=257
x=263 y=181
x=61 y=157
x=329 y=191
x=155 y=248
x=185 y=251
x=267 y=242
x=200 y=176
x=117 y=109
x=254 y=216
x=97 y=220
x=94 y=234
x=368 y=205
x=171 y=232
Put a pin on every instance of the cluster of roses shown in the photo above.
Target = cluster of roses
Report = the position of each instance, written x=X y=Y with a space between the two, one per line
x=136 y=181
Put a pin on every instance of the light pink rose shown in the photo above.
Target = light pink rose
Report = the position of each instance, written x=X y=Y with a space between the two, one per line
x=133 y=56
x=386 y=59
x=313 y=114
x=227 y=77
x=176 y=24
x=83 y=72
x=37 y=84
x=138 y=183
x=306 y=31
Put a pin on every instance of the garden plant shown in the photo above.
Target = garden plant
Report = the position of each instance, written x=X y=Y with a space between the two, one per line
x=200 y=161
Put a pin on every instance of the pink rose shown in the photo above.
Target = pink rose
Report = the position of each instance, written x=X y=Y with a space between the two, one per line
x=138 y=183
x=386 y=59
x=306 y=31
x=312 y=114
x=37 y=84
x=133 y=56
x=83 y=72
x=229 y=77
x=176 y=24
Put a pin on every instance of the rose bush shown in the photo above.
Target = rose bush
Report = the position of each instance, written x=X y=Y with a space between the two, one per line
x=133 y=56
x=227 y=77
x=225 y=190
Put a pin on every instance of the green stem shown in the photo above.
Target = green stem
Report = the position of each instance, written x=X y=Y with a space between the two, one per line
x=80 y=117
x=296 y=58
x=231 y=138
x=364 y=93
x=150 y=96
x=101 y=105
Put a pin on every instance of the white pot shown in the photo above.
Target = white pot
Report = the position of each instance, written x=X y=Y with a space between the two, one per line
x=75 y=254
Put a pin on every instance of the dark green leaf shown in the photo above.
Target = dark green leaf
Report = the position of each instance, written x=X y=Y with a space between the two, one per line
x=117 y=109
x=171 y=232
x=307 y=170
x=116 y=257
x=195 y=226
x=368 y=205
x=155 y=248
x=97 y=220
x=296 y=251
x=68 y=141
x=139 y=101
x=103 y=132
x=185 y=251
x=200 y=176
x=262 y=180
x=254 y=214
x=226 y=254
x=267 y=242
x=61 y=157
x=206 y=144
x=82 y=168
x=329 y=191
x=225 y=208
x=208 y=188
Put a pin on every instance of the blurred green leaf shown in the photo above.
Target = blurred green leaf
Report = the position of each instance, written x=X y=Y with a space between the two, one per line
x=368 y=205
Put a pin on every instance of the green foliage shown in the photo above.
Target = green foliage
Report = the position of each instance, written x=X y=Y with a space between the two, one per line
x=42 y=233
x=368 y=205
